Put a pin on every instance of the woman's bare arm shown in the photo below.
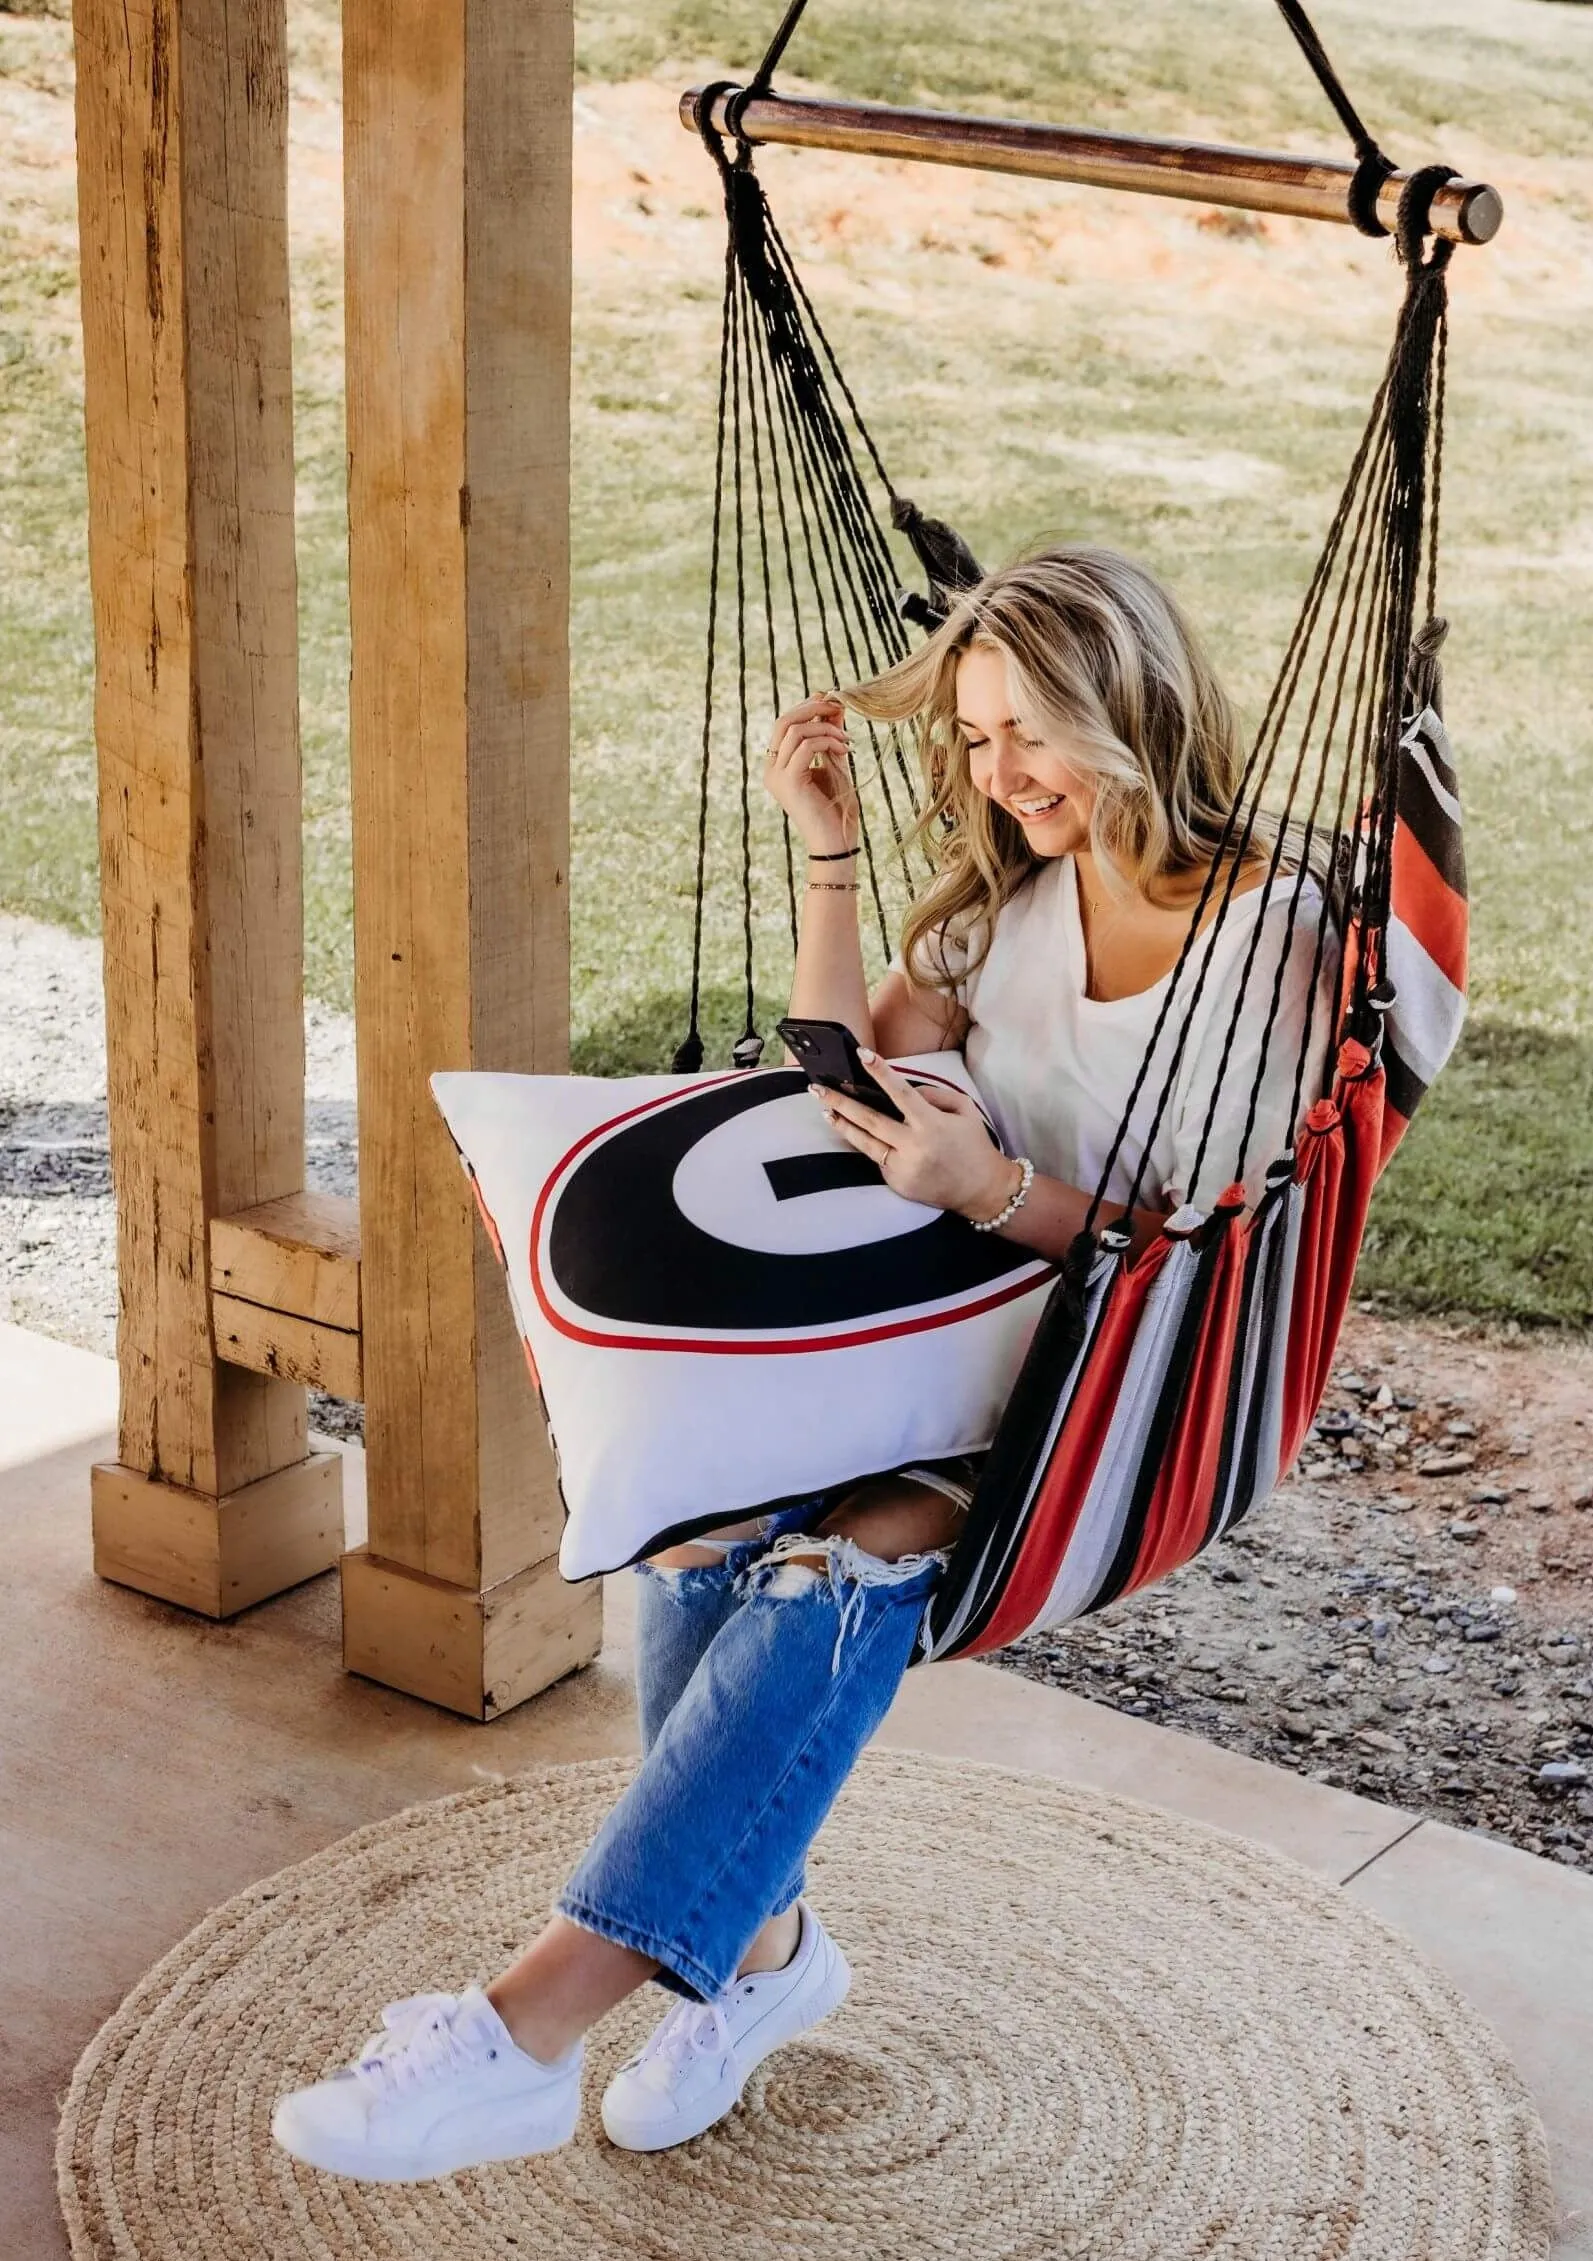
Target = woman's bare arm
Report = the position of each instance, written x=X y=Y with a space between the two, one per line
x=1053 y=1216
x=908 y=1018
x=829 y=983
x=808 y=772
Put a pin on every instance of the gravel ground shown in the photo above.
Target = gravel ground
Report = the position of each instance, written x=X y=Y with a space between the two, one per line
x=1408 y=1617
x=57 y=1217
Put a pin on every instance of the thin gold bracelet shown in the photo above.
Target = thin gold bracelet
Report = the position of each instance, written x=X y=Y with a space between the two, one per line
x=835 y=887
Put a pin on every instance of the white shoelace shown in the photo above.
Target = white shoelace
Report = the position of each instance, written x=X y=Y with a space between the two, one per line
x=691 y=2029
x=419 y=2039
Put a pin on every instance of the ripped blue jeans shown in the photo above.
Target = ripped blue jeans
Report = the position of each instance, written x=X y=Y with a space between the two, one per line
x=758 y=1682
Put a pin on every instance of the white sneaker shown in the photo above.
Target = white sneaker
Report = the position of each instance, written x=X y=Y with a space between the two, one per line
x=443 y=2086
x=695 y=2066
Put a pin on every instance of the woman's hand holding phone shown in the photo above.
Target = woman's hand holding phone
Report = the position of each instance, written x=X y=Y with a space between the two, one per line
x=827 y=1053
x=940 y=1153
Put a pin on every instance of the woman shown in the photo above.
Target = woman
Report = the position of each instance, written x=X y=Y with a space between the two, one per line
x=1081 y=761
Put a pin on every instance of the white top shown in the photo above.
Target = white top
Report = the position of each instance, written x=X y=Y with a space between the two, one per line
x=1055 y=1066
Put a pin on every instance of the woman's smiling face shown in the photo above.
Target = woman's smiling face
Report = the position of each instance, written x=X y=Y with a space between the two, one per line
x=1030 y=778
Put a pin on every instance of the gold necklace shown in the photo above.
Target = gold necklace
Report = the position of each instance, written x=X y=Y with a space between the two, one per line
x=1096 y=931
x=1092 y=904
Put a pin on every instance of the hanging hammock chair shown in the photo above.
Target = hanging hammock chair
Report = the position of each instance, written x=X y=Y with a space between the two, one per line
x=1163 y=1394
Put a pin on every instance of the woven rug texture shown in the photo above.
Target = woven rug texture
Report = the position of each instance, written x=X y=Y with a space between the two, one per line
x=1079 y=2030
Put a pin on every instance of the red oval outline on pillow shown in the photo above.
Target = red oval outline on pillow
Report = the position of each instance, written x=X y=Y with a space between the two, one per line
x=762 y=1346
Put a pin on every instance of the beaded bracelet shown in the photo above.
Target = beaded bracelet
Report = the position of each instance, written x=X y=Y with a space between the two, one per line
x=835 y=886
x=1005 y=1216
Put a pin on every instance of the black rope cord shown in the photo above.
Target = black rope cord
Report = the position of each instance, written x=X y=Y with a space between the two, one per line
x=1403 y=428
x=689 y=1053
x=904 y=514
x=805 y=411
x=803 y=457
x=859 y=549
x=788 y=415
x=749 y=1045
x=787 y=451
x=763 y=77
x=1353 y=584
x=1359 y=846
x=1256 y=771
x=1372 y=168
x=1389 y=538
x=778 y=481
x=1413 y=405
x=1296 y=893
x=1340 y=876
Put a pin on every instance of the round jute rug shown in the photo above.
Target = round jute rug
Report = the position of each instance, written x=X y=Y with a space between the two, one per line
x=1077 y=2028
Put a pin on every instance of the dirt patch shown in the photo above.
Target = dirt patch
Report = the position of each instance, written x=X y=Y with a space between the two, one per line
x=1409 y=1616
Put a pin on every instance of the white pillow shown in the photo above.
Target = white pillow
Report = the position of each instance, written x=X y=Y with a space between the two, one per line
x=723 y=1303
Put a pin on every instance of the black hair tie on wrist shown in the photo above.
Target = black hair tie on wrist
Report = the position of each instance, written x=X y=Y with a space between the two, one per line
x=835 y=856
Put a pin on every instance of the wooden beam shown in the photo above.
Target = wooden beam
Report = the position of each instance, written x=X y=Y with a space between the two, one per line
x=182 y=171
x=294 y=1349
x=457 y=126
x=300 y=1254
x=1252 y=180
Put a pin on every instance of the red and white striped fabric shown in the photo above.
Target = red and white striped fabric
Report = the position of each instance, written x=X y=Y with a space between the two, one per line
x=1197 y=1370
x=1426 y=947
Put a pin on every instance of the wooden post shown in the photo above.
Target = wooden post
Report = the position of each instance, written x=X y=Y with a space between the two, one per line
x=182 y=168
x=457 y=125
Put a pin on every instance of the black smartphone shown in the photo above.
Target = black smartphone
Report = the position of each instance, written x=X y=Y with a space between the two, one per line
x=827 y=1054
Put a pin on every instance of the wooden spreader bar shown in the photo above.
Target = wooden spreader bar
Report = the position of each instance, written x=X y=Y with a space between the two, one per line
x=1255 y=180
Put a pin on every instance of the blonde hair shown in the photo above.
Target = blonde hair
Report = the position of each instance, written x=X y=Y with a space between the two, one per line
x=1098 y=652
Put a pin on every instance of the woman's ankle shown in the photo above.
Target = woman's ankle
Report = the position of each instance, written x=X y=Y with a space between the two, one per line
x=563 y=1983
x=531 y=2028
x=775 y=1944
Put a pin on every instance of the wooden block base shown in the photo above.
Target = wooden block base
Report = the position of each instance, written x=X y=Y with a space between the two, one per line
x=218 y=1556
x=479 y=1654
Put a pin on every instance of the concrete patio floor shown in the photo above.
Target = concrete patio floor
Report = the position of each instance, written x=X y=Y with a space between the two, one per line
x=152 y=1763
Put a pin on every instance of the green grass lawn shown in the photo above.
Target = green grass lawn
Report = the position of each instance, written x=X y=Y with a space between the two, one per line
x=1194 y=401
